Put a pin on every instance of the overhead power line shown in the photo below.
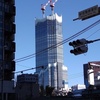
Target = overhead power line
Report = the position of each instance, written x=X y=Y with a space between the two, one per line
x=93 y=33
x=70 y=76
x=58 y=44
x=25 y=70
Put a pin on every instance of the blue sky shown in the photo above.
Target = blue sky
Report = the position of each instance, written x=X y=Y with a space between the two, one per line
x=28 y=10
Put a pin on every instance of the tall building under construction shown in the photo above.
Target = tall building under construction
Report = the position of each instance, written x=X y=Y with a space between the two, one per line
x=49 y=51
x=7 y=49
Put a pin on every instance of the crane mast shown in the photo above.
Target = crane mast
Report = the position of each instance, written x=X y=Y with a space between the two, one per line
x=52 y=5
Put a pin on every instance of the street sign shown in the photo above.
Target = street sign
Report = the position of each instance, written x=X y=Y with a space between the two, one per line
x=88 y=13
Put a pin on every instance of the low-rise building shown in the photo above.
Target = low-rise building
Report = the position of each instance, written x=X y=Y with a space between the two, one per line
x=77 y=89
x=27 y=86
x=92 y=73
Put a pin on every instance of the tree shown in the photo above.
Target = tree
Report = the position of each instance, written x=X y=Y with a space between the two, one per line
x=49 y=90
x=41 y=90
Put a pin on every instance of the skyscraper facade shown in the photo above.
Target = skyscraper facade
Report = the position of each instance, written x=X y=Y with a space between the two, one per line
x=49 y=51
x=7 y=46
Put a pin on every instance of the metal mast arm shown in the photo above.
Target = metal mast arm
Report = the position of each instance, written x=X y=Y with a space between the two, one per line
x=91 y=41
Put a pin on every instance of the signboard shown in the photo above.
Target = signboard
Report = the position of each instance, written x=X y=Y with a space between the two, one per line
x=88 y=13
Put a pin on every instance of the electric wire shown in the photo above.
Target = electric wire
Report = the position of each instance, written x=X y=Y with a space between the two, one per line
x=93 y=33
x=33 y=68
x=25 y=70
x=58 y=44
x=70 y=76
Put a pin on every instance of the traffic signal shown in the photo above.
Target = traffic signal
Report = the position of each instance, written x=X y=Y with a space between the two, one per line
x=80 y=46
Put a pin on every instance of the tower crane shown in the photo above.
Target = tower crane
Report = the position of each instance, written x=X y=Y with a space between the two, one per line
x=43 y=7
x=52 y=4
